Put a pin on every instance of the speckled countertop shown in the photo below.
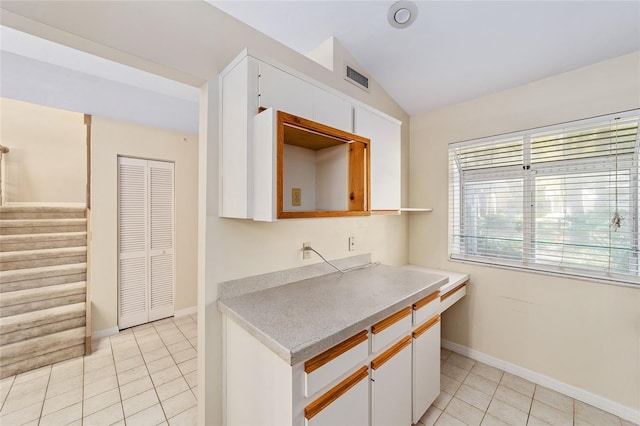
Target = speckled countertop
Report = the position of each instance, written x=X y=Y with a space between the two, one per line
x=300 y=320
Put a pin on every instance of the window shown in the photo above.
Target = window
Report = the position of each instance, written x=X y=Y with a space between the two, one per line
x=561 y=199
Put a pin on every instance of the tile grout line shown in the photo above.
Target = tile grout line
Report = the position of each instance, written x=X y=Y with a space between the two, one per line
x=46 y=389
x=177 y=365
x=166 y=419
x=82 y=402
x=13 y=381
x=135 y=338
x=117 y=378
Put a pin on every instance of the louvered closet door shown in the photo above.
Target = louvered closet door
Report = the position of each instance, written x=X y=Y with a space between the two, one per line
x=132 y=242
x=146 y=241
x=161 y=256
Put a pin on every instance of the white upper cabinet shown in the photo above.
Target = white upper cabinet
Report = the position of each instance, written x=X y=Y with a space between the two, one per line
x=249 y=85
x=385 y=137
x=332 y=110
x=238 y=105
x=284 y=92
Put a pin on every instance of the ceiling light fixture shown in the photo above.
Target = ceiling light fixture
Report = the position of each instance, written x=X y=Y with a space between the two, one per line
x=402 y=14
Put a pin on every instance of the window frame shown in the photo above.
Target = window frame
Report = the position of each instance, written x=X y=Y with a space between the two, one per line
x=457 y=203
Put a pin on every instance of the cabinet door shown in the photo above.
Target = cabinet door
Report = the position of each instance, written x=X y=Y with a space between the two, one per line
x=391 y=386
x=238 y=105
x=385 y=157
x=345 y=404
x=332 y=110
x=284 y=92
x=264 y=162
x=426 y=366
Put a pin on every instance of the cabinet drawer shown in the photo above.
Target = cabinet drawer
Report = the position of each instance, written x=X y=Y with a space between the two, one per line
x=333 y=363
x=345 y=404
x=390 y=329
x=451 y=297
x=426 y=308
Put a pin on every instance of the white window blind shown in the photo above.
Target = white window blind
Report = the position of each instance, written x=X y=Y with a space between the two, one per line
x=560 y=199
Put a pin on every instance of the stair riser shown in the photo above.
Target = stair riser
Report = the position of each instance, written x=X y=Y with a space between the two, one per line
x=20 y=351
x=41 y=282
x=40 y=318
x=40 y=245
x=44 y=272
x=42 y=215
x=41 y=294
x=21 y=230
x=42 y=330
x=36 y=263
x=23 y=308
x=41 y=360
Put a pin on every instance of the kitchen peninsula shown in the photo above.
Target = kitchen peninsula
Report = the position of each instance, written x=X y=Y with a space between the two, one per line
x=300 y=353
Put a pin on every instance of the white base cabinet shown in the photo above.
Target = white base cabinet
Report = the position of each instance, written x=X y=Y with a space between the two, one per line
x=426 y=366
x=352 y=383
x=391 y=386
x=346 y=385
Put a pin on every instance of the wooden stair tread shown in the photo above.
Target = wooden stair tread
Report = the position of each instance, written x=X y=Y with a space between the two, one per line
x=16 y=223
x=53 y=236
x=42 y=272
x=41 y=317
x=40 y=345
x=38 y=209
x=31 y=295
x=12 y=256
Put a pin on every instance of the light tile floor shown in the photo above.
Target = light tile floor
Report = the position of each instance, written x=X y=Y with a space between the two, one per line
x=475 y=394
x=145 y=375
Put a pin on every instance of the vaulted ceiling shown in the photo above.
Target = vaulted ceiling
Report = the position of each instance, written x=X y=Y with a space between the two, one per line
x=455 y=50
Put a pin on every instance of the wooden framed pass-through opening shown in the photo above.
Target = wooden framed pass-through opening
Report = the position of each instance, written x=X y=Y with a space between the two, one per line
x=320 y=171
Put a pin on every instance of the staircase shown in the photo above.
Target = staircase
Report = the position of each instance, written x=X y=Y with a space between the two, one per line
x=43 y=270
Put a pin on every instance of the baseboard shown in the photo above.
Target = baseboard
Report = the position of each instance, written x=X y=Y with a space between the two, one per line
x=106 y=332
x=612 y=407
x=187 y=311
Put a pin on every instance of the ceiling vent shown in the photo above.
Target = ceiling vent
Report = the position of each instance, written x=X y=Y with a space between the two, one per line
x=357 y=78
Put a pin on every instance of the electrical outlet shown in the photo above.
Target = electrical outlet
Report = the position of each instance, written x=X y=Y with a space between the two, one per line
x=352 y=243
x=296 y=197
x=306 y=253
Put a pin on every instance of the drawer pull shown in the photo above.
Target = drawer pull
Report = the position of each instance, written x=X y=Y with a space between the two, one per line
x=430 y=298
x=450 y=293
x=334 y=352
x=323 y=402
x=426 y=326
x=393 y=350
x=388 y=322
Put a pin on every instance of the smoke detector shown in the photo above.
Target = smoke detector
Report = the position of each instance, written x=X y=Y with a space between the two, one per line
x=402 y=14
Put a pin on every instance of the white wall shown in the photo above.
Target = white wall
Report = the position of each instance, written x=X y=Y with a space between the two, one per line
x=47 y=162
x=110 y=138
x=582 y=333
